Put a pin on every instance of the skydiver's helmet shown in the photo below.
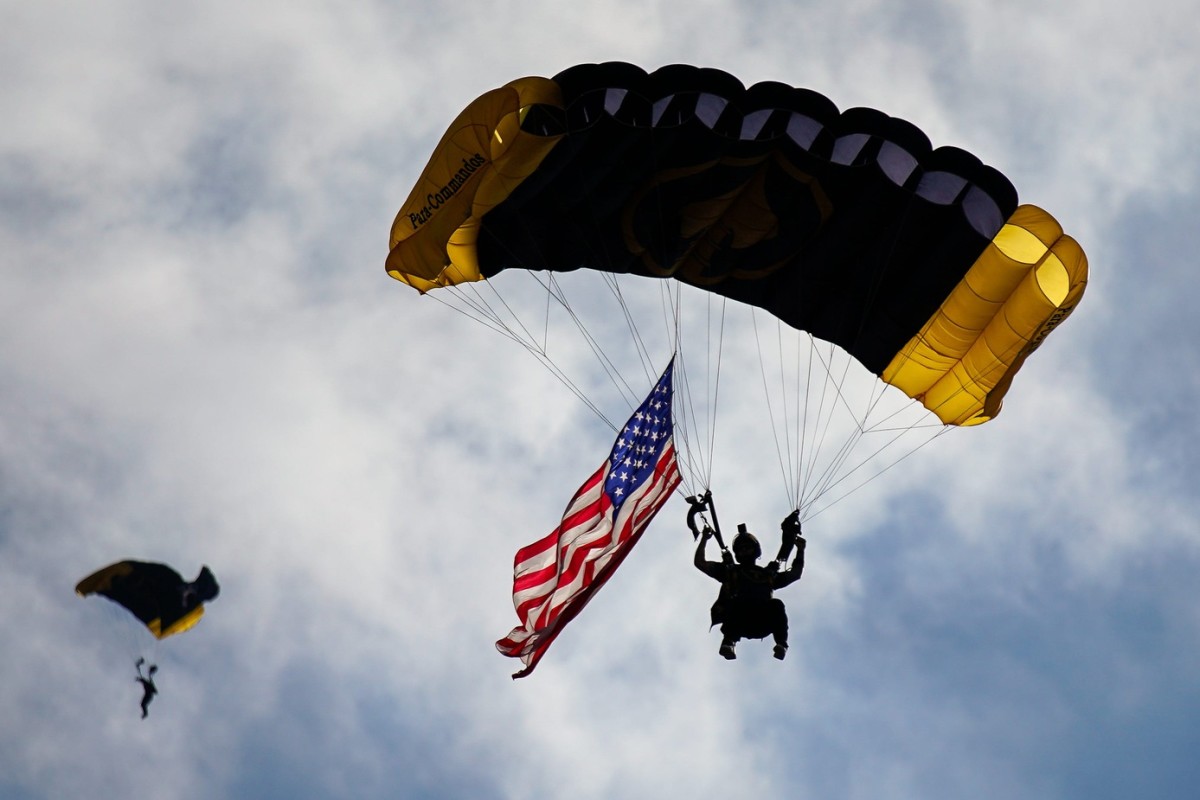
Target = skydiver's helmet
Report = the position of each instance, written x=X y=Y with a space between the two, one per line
x=205 y=586
x=746 y=543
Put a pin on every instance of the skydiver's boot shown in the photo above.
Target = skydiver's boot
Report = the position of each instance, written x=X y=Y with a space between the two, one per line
x=726 y=650
x=780 y=650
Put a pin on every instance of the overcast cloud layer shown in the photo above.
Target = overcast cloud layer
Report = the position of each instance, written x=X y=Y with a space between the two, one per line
x=202 y=361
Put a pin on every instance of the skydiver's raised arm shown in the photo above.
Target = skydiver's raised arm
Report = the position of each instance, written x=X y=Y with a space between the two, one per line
x=713 y=569
x=792 y=538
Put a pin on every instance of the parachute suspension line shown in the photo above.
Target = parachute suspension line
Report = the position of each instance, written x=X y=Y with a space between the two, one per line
x=692 y=467
x=715 y=383
x=835 y=472
x=838 y=385
x=788 y=469
x=800 y=469
x=697 y=436
x=692 y=477
x=135 y=640
x=897 y=435
x=635 y=334
x=813 y=483
x=477 y=309
x=798 y=460
x=151 y=651
x=803 y=426
x=807 y=516
x=784 y=406
x=546 y=325
x=822 y=419
x=481 y=311
x=487 y=315
x=798 y=414
x=610 y=369
x=810 y=470
x=877 y=394
x=687 y=429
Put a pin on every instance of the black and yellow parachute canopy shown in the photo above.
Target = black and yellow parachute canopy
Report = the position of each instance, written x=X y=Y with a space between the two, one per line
x=154 y=593
x=918 y=261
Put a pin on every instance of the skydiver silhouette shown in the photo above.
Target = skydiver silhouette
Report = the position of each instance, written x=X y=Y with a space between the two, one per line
x=148 y=687
x=745 y=607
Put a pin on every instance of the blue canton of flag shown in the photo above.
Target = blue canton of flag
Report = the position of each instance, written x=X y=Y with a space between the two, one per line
x=641 y=443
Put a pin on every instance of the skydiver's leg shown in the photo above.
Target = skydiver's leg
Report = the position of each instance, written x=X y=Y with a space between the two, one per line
x=779 y=626
x=729 y=637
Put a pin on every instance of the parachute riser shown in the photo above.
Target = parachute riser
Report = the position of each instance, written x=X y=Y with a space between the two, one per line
x=716 y=524
x=699 y=503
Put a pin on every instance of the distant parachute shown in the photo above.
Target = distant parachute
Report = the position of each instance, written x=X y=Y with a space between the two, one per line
x=916 y=261
x=154 y=593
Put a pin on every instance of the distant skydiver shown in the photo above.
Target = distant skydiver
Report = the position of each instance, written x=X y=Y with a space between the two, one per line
x=745 y=607
x=148 y=687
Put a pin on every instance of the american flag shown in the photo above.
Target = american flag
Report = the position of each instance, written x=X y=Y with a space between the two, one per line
x=555 y=577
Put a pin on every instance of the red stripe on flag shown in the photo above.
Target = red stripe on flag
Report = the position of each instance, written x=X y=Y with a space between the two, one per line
x=588 y=547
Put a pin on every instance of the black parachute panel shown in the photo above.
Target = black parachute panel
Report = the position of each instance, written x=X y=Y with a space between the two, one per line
x=917 y=261
x=154 y=593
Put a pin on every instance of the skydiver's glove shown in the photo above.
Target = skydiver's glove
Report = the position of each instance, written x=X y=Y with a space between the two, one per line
x=791 y=524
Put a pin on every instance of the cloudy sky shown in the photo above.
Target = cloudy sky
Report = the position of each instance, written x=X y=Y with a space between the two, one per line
x=202 y=361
